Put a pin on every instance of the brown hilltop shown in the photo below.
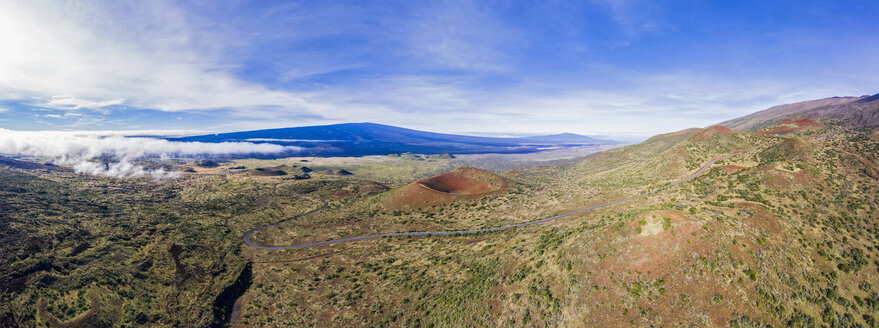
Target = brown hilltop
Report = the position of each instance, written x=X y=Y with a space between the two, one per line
x=801 y=122
x=460 y=184
x=718 y=139
x=267 y=171
x=791 y=125
x=793 y=148
x=713 y=131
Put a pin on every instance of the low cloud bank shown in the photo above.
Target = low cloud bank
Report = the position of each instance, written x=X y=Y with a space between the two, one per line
x=80 y=149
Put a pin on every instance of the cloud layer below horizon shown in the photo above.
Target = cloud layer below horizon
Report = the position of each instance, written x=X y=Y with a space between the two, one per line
x=81 y=149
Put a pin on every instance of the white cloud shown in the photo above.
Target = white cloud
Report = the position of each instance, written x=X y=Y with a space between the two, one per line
x=71 y=102
x=126 y=133
x=61 y=116
x=141 y=54
x=123 y=169
x=80 y=149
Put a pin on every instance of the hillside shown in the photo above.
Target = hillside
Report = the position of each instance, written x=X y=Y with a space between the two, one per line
x=28 y=165
x=852 y=111
x=359 y=139
x=782 y=235
x=457 y=185
x=779 y=236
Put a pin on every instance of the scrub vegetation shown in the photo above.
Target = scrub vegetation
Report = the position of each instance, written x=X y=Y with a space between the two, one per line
x=784 y=235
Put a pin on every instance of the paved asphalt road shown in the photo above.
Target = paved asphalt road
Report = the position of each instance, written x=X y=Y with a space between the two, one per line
x=457 y=232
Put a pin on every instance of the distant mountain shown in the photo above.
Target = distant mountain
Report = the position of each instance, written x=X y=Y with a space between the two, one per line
x=359 y=139
x=851 y=111
x=562 y=139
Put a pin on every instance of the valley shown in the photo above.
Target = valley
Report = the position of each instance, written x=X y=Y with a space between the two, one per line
x=705 y=227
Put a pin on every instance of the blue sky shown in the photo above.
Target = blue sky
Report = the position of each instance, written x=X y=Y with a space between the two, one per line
x=603 y=67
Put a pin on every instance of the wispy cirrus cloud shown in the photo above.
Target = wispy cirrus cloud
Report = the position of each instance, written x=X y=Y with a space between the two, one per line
x=632 y=16
x=72 y=103
x=460 y=35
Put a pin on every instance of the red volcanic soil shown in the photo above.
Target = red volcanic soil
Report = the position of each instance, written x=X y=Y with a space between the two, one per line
x=730 y=167
x=342 y=194
x=791 y=125
x=778 y=129
x=465 y=182
x=460 y=184
x=801 y=122
x=713 y=131
x=667 y=256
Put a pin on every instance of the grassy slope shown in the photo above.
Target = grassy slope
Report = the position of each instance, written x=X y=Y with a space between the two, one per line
x=726 y=248
x=781 y=236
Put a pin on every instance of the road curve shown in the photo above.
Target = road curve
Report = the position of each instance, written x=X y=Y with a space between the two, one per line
x=458 y=232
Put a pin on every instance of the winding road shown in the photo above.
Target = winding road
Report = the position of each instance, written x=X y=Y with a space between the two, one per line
x=457 y=232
